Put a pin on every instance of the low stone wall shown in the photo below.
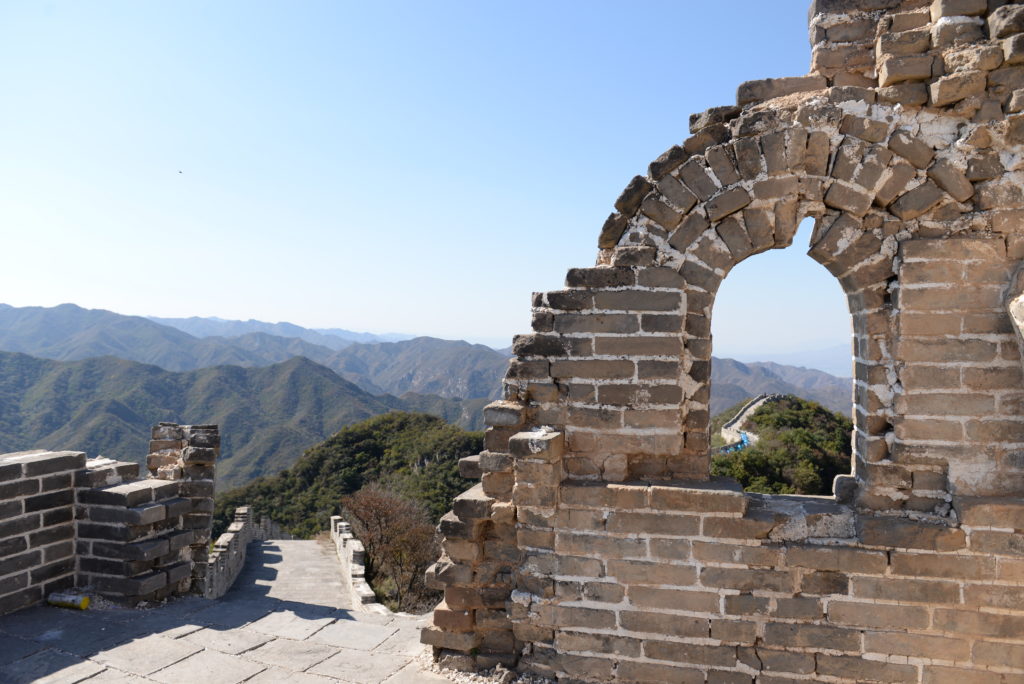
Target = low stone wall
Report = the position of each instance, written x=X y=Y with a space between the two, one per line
x=66 y=521
x=352 y=557
x=133 y=541
x=228 y=555
x=229 y=551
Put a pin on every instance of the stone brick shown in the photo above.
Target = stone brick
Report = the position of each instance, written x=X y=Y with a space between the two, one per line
x=749 y=161
x=596 y=323
x=1006 y=21
x=698 y=500
x=909 y=534
x=769 y=88
x=837 y=559
x=848 y=198
x=824 y=582
x=952 y=8
x=690 y=653
x=946 y=566
x=917 y=202
x=978 y=623
x=637 y=300
x=723 y=165
x=878 y=616
x=666 y=624
x=674 y=599
x=696 y=178
x=748 y=579
x=52 y=462
x=914 y=150
x=653 y=523
x=631 y=197
x=897 y=69
x=864 y=670
x=952 y=180
x=899 y=178
x=865 y=129
x=601 y=276
x=667 y=162
x=784 y=661
x=661 y=213
x=956 y=87
x=812 y=636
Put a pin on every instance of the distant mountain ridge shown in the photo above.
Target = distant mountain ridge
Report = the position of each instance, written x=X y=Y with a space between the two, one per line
x=452 y=369
x=268 y=415
x=733 y=381
x=332 y=338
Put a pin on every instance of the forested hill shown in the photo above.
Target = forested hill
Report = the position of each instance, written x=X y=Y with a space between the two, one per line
x=267 y=416
x=802 y=446
x=415 y=455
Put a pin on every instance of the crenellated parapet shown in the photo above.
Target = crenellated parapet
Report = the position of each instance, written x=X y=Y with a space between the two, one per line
x=67 y=521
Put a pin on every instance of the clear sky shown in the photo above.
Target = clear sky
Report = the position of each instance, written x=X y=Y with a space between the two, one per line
x=415 y=167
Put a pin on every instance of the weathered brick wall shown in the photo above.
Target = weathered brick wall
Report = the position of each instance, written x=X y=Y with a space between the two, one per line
x=37 y=528
x=186 y=454
x=70 y=522
x=597 y=549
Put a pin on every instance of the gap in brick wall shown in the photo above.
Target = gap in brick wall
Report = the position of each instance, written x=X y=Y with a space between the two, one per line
x=782 y=307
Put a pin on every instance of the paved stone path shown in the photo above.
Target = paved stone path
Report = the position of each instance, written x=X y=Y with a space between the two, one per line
x=285 y=620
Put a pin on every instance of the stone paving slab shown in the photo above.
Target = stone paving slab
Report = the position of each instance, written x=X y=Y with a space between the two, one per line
x=286 y=620
x=208 y=667
x=231 y=641
x=296 y=656
x=361 y=637
x=289 y=625
x=49 y=667
x=276 y=675
x=15 y=648
x=147 y=655
x=360 y=667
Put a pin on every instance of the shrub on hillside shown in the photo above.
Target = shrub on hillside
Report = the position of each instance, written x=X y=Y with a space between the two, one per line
x=802 y=447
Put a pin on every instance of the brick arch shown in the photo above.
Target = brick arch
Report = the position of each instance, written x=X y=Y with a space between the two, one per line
x=640 y=327
x=597 y=549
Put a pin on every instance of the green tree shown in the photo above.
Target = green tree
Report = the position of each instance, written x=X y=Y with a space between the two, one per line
x=414 y=455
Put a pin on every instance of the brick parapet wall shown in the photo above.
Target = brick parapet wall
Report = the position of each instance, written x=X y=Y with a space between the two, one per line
x=37 y=525
x=227 y=558
x=904 y=145
x=66 y=521
x=644 y=582
x=352 y=559
x=186 y=454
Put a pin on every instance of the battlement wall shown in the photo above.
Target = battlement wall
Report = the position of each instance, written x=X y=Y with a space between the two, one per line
x=66 y=521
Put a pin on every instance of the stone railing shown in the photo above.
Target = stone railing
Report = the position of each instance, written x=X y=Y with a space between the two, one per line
x=229 y=551
x=352 y=557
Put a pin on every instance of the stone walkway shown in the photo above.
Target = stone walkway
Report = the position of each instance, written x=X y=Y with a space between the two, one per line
x=285 y=620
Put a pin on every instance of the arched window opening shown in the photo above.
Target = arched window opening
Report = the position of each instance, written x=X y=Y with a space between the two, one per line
x=781 y=400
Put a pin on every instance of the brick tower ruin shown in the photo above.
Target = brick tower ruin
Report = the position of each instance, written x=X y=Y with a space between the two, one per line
x=597 y=549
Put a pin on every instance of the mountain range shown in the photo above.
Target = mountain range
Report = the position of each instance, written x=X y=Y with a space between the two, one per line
x=452 y=369
x=333 y=338
x=268 y=416
x=103 y=379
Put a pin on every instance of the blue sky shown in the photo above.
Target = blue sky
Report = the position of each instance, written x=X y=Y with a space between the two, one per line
x=388 y=166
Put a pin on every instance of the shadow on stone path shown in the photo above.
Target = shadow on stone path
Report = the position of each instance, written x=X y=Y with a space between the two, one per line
x=285 y=620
